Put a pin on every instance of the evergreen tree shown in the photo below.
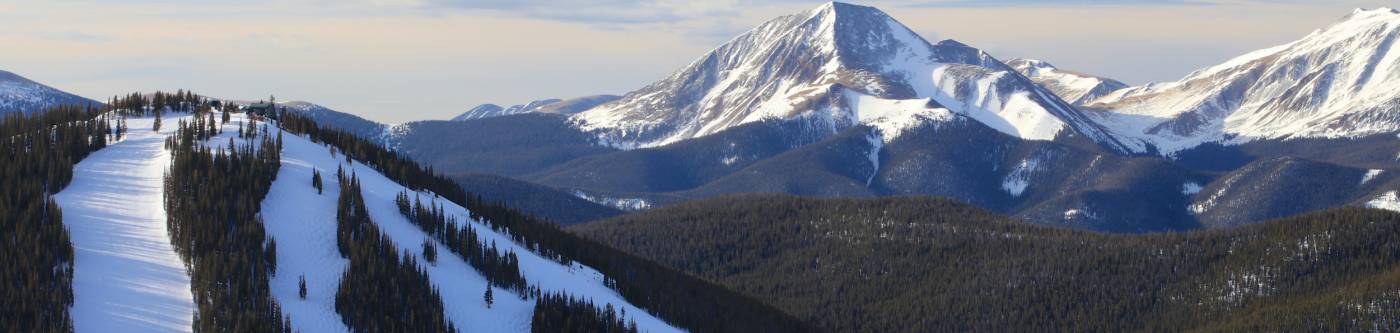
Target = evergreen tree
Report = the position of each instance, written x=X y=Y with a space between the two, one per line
x=156 y=124
x=488 y=297
x=429 y=251
x=301 y=287
x=316 y=181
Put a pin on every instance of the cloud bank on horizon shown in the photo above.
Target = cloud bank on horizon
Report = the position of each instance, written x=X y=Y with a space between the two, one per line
x=401 y=60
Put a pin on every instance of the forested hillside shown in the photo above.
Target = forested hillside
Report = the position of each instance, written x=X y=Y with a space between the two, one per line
x=921 y=264
x=39 y=151
x=680 y=299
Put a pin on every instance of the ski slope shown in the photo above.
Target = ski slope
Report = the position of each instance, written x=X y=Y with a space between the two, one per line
x=303 y=223
x=126 y=275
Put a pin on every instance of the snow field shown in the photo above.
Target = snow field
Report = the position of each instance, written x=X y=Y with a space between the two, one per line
x=126 y=276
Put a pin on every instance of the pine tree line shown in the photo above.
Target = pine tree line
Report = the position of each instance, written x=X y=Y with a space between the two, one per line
x=138 y=104
x=501 y=268
x=563 y=313
x=680 y=299
x=382 y=290
x=39 y=151
x=212 y=199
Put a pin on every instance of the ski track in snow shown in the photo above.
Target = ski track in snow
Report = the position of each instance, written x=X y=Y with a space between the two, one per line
x=303 y=224
x=126 y=276
x=295 y=217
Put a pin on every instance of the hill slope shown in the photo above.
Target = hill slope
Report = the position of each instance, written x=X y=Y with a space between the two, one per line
x=920 y=264
x=18 y=94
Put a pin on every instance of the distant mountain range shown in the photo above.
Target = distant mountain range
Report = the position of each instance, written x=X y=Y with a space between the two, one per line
x=553 y=105
x=842 y=100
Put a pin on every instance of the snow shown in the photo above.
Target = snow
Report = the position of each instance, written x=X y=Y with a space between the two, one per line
x=729 y=160
x=1202 y=206
x=876 y=142
x=126 y=276
x=1388 y=201
x=981 y=99
x=1370 y=174
x=1077 y=214
x=627 y=204
x=1018 y=179
x=874 y=63
x=1342 y=81
x=461 y=286
x=1190 y=189
x=1075 y=88
x=304 y=226
x=892 y=117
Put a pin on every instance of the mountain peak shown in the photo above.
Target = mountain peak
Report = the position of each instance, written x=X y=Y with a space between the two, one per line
x=1363 y=12
x=820 y=66
x=837 y=7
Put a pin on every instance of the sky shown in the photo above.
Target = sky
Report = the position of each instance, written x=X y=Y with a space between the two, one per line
x=403 y=60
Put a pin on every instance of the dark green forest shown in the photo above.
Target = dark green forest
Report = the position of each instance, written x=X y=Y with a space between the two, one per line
x=39 y=150
x=383 y=290
x=918 y=264
x=562 y=313
x=212 y=199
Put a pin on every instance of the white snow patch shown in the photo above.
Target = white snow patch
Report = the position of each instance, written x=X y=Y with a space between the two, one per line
x=1204 y=205
x=892 y=117
x=729 y=160
x=627 y=204
x=1370 y=174
x=126 y=275
x=1077 y=214
x=876 y=142
x=1019 y=178
x=1190 y=188
x=1388 y=201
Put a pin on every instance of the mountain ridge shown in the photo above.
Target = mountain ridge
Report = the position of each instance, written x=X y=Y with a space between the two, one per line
x=815 y=65
x=1340 y=81
x=20 y=94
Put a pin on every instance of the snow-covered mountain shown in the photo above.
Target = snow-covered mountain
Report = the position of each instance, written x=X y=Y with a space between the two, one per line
x=1074 y=87
x=1341 y=81
x=552 y=105
x=576 y=105
x=492 y=110
x=18 y=94
x=836 y=66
